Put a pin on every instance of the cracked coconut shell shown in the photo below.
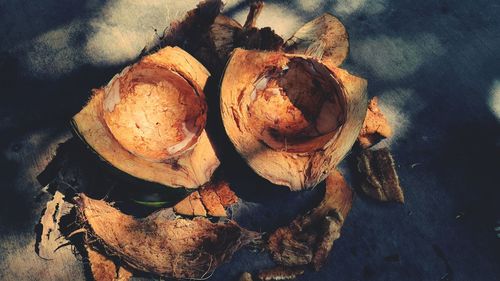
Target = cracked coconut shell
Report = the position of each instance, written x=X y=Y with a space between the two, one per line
x=291 y=117
x=149 y=121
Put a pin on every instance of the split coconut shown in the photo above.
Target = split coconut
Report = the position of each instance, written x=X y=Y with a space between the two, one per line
x=291 y=117
x=149 y=121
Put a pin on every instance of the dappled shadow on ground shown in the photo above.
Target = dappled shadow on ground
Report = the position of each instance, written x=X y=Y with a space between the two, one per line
x=432 y=62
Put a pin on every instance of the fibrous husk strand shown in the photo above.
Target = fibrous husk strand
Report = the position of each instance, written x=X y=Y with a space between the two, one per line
x=379 y=178
x=309 y=238
x=375 y=127
x=157 y=244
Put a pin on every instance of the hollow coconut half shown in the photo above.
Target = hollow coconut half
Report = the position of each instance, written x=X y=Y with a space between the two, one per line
x=291 y=117
x=149 y=121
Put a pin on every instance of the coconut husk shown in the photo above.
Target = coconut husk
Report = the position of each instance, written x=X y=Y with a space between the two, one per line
x=375 y=127
x=104 y=269
x=379 y=176
x=288 y=158
x=324 y=38
x=157 y=244
x=190 y=163
x=309 y=238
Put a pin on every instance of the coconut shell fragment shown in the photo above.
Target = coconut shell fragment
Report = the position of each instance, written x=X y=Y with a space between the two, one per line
x=324 y=38
x=309 y=238
x=375 y=127
x=157 y=244
x=292 y=118
x=379 y=178
x=212 y=199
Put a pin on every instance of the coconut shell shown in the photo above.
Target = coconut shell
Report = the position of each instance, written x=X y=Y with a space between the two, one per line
x=190 y=165
x=304 y=164
x=176 y=248
x=324 y=38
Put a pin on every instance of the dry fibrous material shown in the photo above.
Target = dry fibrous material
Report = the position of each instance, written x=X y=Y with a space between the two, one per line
x=281 y=273
x=309 y=238
x=227 y=34
x=104 y=269
x=157 y=244
x=324 y=38
x=212 y=199
x=291 y=117
x=149 y=121
x=49 y=237
x=379 y=177
x=375 y=127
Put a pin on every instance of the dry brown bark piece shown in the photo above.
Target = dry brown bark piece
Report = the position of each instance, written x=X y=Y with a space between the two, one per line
x=223 y=33
x=104 y=269
x=226 y=195
x=157 y=244
x=226 y=35
x=324 y=38
x=379 y=176
x=309 y=238
x=375 y=127
x=281 y=273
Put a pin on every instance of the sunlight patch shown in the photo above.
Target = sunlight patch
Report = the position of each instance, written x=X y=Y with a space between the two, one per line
x=277 y=16
x=494 y=100
x=393 y=58
x=347 y=7
x=124 y=27
x=395 y=106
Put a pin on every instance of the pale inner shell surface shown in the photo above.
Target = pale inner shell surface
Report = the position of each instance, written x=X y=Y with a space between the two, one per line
x=153 y=112
x=293 y=107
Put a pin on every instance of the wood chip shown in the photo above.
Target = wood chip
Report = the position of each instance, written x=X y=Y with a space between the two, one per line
x=375 y=127
x=281 y=273
x=309 y=238
x=379 y=177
